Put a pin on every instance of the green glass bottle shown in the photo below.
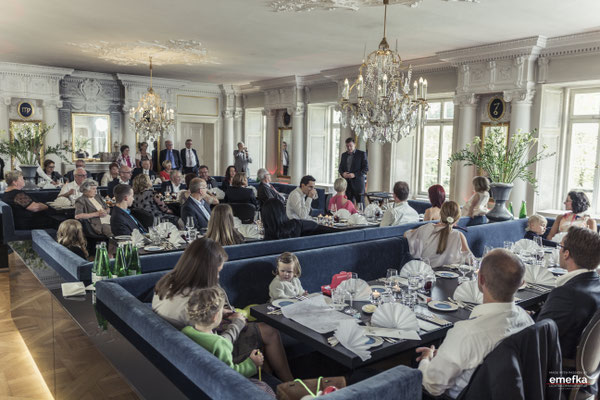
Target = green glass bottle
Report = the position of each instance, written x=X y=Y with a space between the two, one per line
x=120 y=263
x=510 y=209
x=97 y=262
x=134 y=267
x=103 y=271
x=523 y=211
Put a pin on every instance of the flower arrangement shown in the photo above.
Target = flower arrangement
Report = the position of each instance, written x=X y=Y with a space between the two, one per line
x=28 y=142
x=503 y=162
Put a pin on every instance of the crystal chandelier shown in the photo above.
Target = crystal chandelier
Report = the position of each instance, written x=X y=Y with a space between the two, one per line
x=385 y=110
x=151 y=118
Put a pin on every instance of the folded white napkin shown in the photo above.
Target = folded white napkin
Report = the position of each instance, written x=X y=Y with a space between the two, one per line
x=62 y=202
x=237 y=222
x=352 y=337
x=415 y=267
x=357 y=219
x=363 y=290
x=219 y=193
x=395 y=316
x=371 y=210
x=49 y=185
x=165 y=228
x=73 y=289
x=539 y=275
x=249 y=231
x=469 y=291
x=525 y=246
x=176 y=239
x=559 y=237
x=157 y=181
x=137 y=238
x=343 y=214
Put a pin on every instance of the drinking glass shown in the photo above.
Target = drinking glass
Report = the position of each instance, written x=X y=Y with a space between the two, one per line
x=538 y=241
x=476 y=264
x=487 y=249
x=390 y=277
x=508 y=245
x=465 y=265
x=189 y=223
x=351 y=288
x=168 y=191
x=155 y=222
x=414 y=283
x=388 y=297
x=361 y=209
x=338 y=296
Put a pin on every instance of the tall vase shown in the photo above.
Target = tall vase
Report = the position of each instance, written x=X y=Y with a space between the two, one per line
x=29 y=172
x=500 y=192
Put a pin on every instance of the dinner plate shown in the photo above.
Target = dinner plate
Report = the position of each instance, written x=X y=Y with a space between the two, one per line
x=379 y=288
x=283 y=302
x=442 y=305
x=558 y=271
x=369 y=308
x=123 y=237
x=446 y=274
x=153 y=248
x=374 y=341
x=340 y=224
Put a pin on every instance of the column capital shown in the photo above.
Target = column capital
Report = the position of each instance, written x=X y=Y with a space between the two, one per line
x=238 y=114
x=6 y=100
x=466 y=99
x=228 y=114
x=519 y=96
x=52 y=104
x=297 y=111
x=269 y=112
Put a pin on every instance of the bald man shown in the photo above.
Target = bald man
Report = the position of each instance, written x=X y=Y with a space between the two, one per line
x=71 y=189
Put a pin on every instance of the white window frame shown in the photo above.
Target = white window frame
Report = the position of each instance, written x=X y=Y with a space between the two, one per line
x=262 y=159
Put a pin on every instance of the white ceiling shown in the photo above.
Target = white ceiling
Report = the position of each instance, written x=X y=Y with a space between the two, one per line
x=251 y=42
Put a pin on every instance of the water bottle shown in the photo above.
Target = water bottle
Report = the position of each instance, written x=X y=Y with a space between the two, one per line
x=510 y=209
x=134 y=267
x=523 y=212
x=103 y=269
x=120 y=263
x=96 y=266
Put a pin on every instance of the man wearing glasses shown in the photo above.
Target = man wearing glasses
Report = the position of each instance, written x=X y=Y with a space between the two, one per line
x=71 y=190
x=195 y=206
x=124 y=179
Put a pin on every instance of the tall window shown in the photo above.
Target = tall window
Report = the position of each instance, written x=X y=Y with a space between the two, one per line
x=436 y=146
x=255 y=126
x=583 y=135
x=323 y=142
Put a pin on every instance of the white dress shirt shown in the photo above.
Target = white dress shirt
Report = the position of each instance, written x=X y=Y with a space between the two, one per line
x=561 y=280
x=467 y=344
x=191 y=158
x=67 y=187
x=298 y=205
x=400 y=213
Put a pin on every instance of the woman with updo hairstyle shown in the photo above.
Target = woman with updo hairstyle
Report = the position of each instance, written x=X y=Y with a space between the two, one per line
x=437 y=197
x=577 y=203
x=439 y=242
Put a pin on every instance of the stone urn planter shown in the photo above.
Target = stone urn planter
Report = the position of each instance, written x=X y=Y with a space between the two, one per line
x=29 y=172
x=500 y=192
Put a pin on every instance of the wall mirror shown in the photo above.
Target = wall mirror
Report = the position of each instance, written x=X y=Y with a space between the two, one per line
x=152 y=143
x=487 y=127
x=285 y=151
x=91 y=135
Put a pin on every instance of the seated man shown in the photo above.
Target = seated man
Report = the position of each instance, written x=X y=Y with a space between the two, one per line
x=265 y=190
x=195 y=206
x=299 y=200
x=203 y=173
x=174 y=185
x=469 y=341
x=145 y=169
x=400 y=212
x=576 y=297
x=121 y=220
x=123 y=179
x=78 y=164
x=71 y=190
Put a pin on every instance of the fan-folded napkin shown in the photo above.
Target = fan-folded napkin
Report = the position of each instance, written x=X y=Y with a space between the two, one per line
x=219 y=193
x=559 y=237
x=62 y=202
x=415 y=267
x=469 y=291
x=525 y=246
x=353 y=338
x=357 y=219
x=343 y=213
x=395 y=316
x=363 y=290
x=237 y=222
x=249 y=231
x=137 y=238
x=372 y=210
x=539 y=275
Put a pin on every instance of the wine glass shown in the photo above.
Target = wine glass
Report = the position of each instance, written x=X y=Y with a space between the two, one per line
x=351 y=288
x=168 y=191
x=465 y=265
x=361 y=208
x=390 y=276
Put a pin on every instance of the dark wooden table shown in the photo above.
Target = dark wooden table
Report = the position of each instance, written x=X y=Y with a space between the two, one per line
x=442 y=289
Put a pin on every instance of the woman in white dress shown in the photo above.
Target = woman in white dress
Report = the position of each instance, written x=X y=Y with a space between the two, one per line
x=438 y=242
x=577 y=203
x=476 y=207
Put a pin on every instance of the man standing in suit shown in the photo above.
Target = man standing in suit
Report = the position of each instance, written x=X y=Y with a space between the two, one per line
x=195 y=206
x=121 y=220
x=242 y=159
x=145 y=169
x=124 y=178
x=285 y=158
x=354 y=167
x=171 y=155
x=576 y=298
x=189 y=158
x=265 y=190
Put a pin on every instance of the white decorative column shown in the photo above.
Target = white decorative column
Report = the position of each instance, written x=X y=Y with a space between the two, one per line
x=467 y=130
x=228 y=140
x=271 y=143
x=51 y=118
x=297 y=166
x=4 y=120
x=375 y=174
x=238 y=125
x=520 y=119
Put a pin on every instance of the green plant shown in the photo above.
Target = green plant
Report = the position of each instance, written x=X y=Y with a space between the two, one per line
x=502 y=162
x=82 y=143
x=28 y=142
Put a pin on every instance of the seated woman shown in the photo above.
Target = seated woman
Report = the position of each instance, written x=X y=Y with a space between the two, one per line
x=124 y=158
x=221 y=228
x=340 y=200
x=142 y=155
x=165 y=174
x=437 y=196
x=27 y=213
x=199 y=268
x=277 y=225
x=229 y=174
x=49 y=173
x=146 y=199
x=438 y=242
x=111 y=175
x=239 y=192
x=476 y=207
x=90 y=206
x=70 y=235
x=577 y=203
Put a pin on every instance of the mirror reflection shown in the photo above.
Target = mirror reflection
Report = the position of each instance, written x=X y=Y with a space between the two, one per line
x=283 y=161
x=91 y=135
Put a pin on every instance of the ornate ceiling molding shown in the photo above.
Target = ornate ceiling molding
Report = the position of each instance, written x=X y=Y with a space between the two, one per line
x=581 y=43
x=531 y=46
x=169 y=52
x=329 y=5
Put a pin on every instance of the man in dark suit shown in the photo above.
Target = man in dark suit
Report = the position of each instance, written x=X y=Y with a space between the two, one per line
x=121 y=220
x=124 y=178
x=171 y=155
x=174 y=184
x=576 y=297
x=145 y=169
x=354 y=167
x=265 y=190
x=195 y=206
x=189 y=158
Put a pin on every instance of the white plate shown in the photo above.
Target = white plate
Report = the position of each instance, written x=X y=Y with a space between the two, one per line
x=123 y=237
x=153 y=248
x=283 y=302
x=558 y=271
x=442 y=305
x=374 y=341
x=366 y=307
x=379 y=288
x=446 y=274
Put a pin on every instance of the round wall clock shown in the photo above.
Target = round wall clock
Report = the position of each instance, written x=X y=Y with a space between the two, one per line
x=496 y=108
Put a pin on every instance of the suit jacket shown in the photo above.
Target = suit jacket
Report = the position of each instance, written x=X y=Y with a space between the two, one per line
x=572 y=306
x=240 y=195
x=191 y=209
x=359 y=167
x=111 y=186
x=83 y=205
x=241 y=160
x=176 y=156
x=183 y=153
x=122 y=223
x=138 y=171
x=164 y=185
x=266 y=192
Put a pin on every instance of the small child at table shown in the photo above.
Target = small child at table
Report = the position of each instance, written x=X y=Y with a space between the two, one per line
x=205 y=312
x=286 y=284
x=536 y=227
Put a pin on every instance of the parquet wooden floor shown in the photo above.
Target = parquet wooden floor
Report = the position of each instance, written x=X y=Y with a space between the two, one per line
x=19 y=376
